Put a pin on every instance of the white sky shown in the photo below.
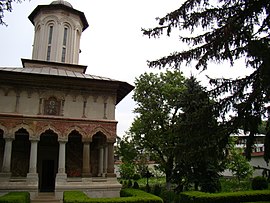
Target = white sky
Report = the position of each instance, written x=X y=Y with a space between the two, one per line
x=112 y=46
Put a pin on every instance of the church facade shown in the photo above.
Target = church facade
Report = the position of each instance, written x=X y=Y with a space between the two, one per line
x=57 y=123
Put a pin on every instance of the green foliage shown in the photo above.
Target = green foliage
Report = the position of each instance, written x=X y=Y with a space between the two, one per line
x=129 y=183
x=136 y=176
x=233 y=185
x=136 y=185
x=226 y=31
x=237 y=163
x=74 y=196
x=235 y=197
x=157 y=190
x=157 y=98
x=127 y=196
x=127 y=170
x=15 y=197
x=126 y=150
x=259 y=183
x=201 y=141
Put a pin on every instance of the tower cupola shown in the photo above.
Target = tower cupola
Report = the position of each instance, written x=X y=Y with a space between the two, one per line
x=58 y=29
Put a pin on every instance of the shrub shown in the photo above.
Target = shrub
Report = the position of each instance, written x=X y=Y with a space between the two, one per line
x=129 y=183
x=259 y=183
x=136 y=176
x=226 y=197
x=127 y=170
x=18 y=197
x=135 y=185
x=127 y=196
x=157 y=190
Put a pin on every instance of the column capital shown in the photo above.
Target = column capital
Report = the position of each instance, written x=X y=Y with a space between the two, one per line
x=86 y=139
x=34 y=138
x=62 y=139
x=9 y=136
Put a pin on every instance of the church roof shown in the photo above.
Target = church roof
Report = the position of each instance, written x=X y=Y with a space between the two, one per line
x=51 y=71
x=57 y=77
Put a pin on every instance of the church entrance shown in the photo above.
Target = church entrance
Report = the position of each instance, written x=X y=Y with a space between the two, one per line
x=48 y=149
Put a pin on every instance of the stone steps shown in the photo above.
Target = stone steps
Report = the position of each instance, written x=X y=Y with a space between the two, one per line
x=45 y=197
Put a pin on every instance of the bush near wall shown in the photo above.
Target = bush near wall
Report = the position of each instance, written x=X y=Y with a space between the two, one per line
x=15 y=197
x=128 y=195
x=228 y=197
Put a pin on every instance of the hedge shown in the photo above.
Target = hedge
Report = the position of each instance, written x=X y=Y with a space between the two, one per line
x=128 y=195
x=15 y=197
x=228 y=197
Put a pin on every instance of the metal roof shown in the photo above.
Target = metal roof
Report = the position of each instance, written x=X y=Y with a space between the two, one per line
x=56 y=72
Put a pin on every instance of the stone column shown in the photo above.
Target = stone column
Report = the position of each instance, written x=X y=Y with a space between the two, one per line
x=7 y=157
x=105 y=160
x=86 y=159
x=110 y=172
x=32 y=176
x=61 y=176
x=100 y=162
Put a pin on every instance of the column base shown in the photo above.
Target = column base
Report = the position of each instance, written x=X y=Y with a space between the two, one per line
x=86 y=175
x=32 y=177
x=111 y=175
x=5 y=176
x=61 y=177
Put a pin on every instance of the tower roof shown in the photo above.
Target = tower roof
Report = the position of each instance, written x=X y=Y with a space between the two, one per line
x=63 y=3
x=60 y=4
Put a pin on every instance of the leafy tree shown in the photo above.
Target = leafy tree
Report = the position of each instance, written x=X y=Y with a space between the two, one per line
x=6 y=5
x=226 y=31
x=201 y=140
x=157 y=110
x=126 y=150
x=127 y=170
x=237 y=163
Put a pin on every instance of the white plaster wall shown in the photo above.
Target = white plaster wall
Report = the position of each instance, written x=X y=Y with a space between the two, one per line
x=73 y=108
x=258 y=161
x=8 y=102
x=95 y=108
x=111 y=108
x=29 y=105
x=59 y=19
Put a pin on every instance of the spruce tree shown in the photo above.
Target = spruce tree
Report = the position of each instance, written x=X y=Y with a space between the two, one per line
x=201 y=142
x=226 y=31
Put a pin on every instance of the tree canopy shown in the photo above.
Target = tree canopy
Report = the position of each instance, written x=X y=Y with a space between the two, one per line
x=226 y=31
x=177 y=125
x=157 y=98
x=201 y=141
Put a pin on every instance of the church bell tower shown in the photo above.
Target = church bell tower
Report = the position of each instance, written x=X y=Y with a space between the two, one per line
x=58 y=29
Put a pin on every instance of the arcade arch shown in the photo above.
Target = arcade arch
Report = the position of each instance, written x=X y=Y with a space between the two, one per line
x=20 y=154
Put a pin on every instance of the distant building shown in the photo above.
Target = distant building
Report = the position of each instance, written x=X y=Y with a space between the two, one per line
x=257 y=151
x=57 y=123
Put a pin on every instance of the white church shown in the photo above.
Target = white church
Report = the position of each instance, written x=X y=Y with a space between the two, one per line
x=57 y=123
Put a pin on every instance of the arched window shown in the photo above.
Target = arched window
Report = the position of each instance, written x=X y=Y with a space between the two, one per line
x=64 y=45
x=50 y=35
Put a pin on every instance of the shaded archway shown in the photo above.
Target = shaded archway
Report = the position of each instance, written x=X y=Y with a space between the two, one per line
x=48 y=152
x=2 y=148
x=74 y=154
x=98 y=141
x=20 y=154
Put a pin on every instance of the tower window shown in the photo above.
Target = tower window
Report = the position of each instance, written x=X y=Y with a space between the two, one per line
x=49 y=43
x=64 y=44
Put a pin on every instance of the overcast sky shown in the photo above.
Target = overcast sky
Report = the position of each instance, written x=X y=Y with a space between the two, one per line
x=112 y=46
